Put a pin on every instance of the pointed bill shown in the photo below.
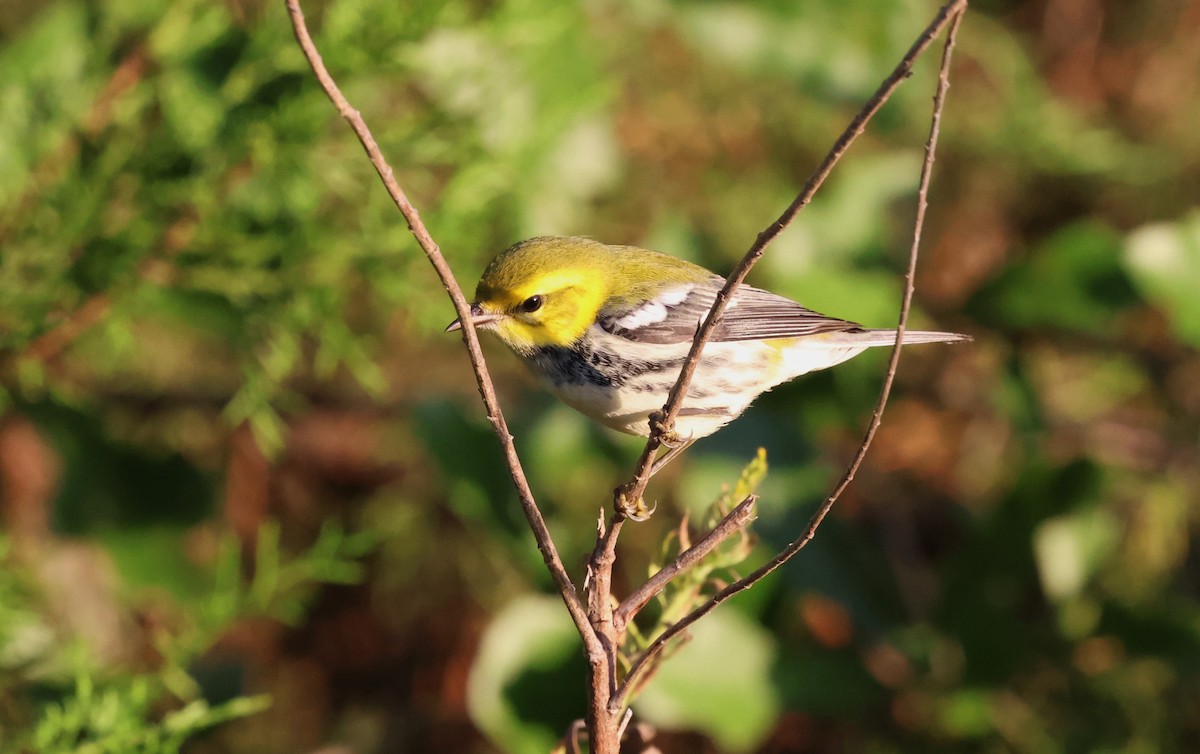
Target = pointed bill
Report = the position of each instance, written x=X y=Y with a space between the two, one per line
x=479 y=318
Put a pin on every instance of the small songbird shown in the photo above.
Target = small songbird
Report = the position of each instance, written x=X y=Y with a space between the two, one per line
x=607 y=329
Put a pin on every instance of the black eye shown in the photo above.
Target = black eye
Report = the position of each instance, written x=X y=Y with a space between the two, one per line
x=532 y=304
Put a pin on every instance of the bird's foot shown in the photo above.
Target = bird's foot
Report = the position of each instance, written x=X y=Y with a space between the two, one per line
x=665 y=433
x=632 y=509
x=673 y=440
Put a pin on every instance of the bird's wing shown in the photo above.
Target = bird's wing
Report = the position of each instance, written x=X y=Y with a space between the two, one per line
x=752 y=314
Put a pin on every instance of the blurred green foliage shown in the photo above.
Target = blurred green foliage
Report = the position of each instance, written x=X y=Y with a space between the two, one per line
x=212 y=318
x=90 y=709
x=120 y=719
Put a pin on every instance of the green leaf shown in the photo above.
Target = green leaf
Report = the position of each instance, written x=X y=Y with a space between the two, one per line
x=531 y=633
x=1070 y=548
x=1164 y=261
x=719 y=683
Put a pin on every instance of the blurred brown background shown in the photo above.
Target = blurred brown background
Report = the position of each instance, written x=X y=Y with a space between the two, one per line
x=238 y=456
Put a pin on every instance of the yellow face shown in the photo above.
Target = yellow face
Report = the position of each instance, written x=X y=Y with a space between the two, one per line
x=548 y=291
x=550 y=308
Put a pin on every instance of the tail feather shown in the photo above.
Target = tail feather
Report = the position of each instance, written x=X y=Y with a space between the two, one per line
x=868 y=338
x=829 y=349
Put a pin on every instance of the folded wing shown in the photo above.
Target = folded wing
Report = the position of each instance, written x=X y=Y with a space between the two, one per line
x=752 y=314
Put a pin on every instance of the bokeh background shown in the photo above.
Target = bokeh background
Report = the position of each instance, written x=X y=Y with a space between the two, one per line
x=239 y=458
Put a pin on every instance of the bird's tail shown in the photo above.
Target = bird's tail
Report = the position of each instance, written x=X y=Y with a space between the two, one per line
x=868 y=338
x=828 y=349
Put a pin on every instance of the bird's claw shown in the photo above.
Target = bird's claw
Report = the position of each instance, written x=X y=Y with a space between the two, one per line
x=666 y=434
x=660 y=429
x=673 y=440
x=634 y=510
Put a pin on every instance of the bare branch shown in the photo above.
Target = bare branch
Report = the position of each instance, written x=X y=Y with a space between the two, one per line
x=604 y=554
x=570 y=739
x=733 y=522
x=486 y=390
x=636 y=487
x=955 y=11
x=624 y=724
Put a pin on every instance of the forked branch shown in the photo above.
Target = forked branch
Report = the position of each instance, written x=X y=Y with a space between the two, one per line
x=598 y=622
x=733 y=522
x=955 y=11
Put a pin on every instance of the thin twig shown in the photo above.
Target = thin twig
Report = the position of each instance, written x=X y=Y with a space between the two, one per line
x=624 y=724
x=956 y=9
x=600 y=568
x=570 y=739
x=733 y=522
x=636 y=487
x=486 y=391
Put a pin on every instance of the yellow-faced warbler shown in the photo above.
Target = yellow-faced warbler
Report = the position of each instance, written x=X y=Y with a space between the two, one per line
x=607 y=328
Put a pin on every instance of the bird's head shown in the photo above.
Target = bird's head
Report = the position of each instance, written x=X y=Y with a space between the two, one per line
x=542 y=292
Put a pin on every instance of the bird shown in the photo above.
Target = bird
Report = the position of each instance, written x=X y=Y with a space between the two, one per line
x=607 y=328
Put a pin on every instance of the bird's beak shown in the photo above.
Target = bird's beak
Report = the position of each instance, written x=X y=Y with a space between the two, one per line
x=479 y=318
